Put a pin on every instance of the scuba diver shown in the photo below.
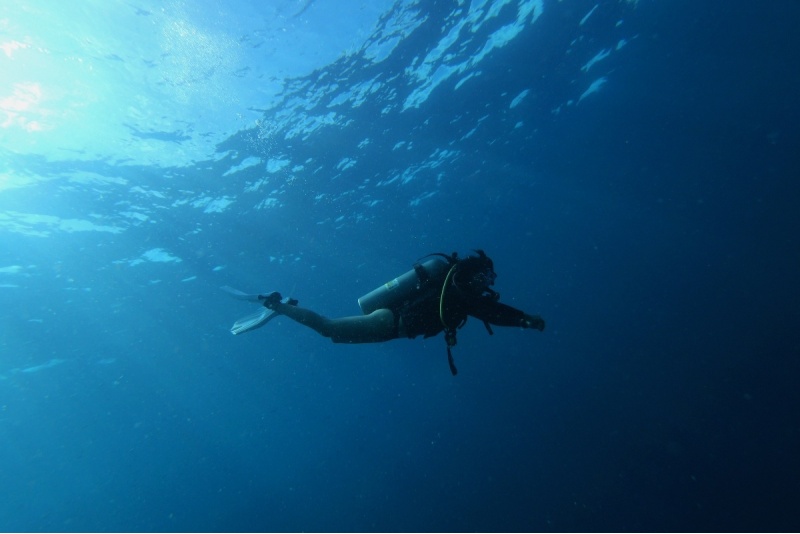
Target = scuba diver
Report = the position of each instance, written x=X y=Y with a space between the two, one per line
x=435 y=296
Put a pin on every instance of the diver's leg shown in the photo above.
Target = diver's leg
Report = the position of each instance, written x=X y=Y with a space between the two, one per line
x=377 y=326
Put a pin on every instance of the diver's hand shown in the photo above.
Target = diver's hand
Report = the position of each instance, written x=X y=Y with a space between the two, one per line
x=533 y=321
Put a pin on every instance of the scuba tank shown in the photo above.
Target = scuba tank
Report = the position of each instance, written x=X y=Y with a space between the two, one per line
x=395 y=292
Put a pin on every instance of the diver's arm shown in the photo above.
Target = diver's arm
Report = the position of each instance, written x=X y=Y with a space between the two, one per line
x=499 y=314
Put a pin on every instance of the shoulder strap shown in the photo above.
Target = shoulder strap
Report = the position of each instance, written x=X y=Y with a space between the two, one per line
x=422 y=275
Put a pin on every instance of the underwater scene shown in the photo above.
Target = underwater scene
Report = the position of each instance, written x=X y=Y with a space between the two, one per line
x=629 y=169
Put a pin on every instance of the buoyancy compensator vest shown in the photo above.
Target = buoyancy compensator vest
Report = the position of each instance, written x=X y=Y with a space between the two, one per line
x=434 y=275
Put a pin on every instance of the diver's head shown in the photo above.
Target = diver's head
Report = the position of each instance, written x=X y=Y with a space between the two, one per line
x=475 y=274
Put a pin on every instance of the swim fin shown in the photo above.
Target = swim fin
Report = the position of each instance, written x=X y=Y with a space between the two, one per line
x=256 y=319
x=239 y=295
x=253 y=321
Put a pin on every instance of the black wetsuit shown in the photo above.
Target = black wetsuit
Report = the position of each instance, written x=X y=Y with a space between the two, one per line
x=422 y=317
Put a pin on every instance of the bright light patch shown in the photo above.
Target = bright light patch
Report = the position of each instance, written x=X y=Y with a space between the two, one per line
x=10 y=47
x=20 y=104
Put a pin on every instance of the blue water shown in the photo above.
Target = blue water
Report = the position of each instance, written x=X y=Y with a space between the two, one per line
x=631 y=167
